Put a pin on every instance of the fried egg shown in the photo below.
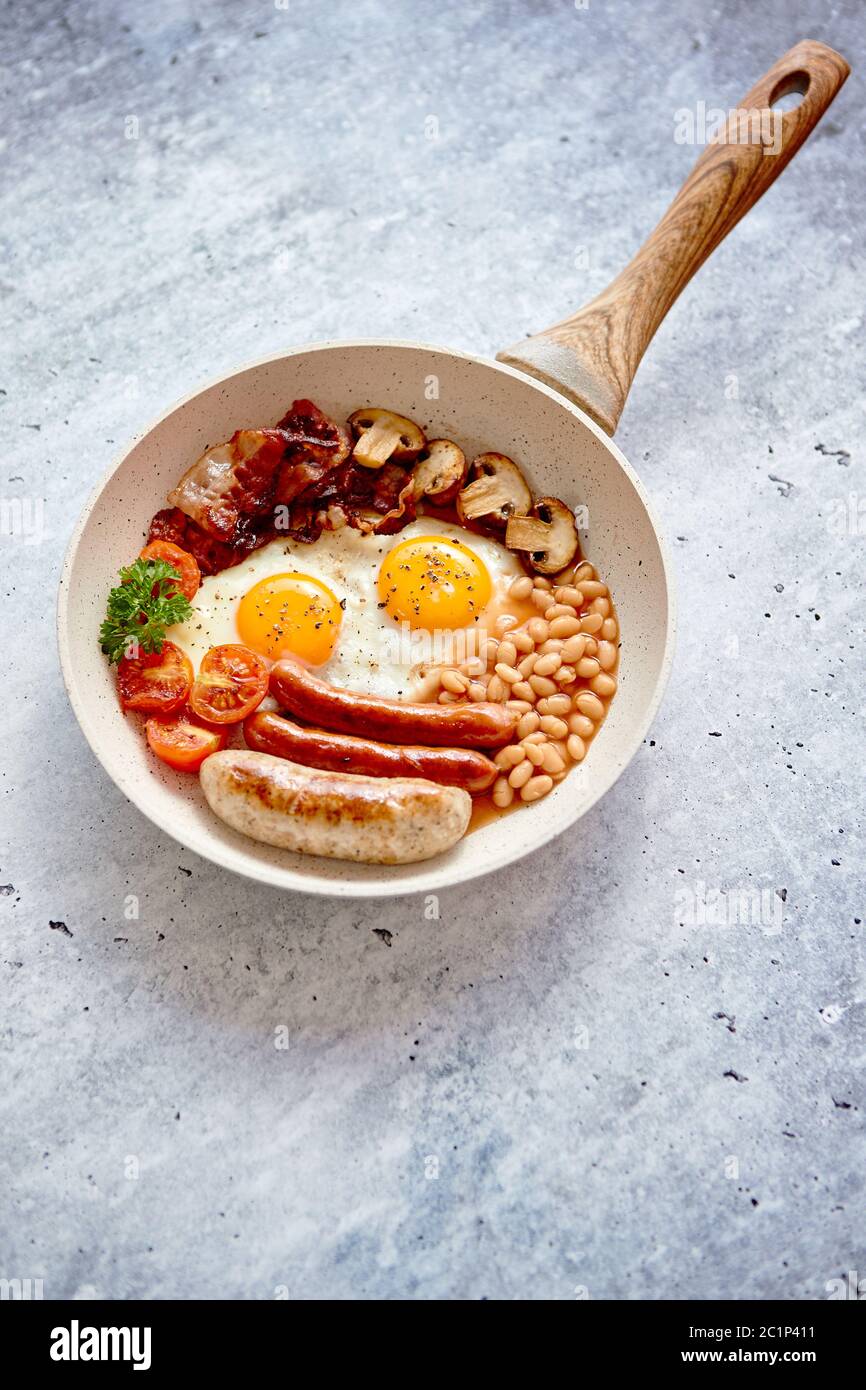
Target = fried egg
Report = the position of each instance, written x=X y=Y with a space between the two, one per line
x=368 y=613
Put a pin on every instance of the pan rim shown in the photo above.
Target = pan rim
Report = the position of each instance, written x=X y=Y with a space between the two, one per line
x=426 y=878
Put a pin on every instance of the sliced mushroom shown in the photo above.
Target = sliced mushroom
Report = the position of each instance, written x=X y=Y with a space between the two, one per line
x=439 y=471
x=548 y=534
x=497 y=490
x=381 y=436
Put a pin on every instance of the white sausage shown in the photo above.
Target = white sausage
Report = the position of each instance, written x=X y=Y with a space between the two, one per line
x=341 y=815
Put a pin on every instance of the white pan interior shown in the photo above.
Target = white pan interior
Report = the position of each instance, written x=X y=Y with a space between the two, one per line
x=484 y=406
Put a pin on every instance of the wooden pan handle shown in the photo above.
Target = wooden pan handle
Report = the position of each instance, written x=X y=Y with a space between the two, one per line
x=591 y=358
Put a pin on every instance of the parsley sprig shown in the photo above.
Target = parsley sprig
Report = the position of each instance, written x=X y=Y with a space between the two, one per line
x=141 y=607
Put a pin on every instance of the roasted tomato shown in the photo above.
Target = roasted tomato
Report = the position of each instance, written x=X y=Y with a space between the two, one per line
x=182 y=742
x=232 y=681
x=156 y=683
x=181 y=560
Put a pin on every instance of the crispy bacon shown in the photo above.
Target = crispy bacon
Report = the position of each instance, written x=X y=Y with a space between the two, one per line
x=168 y=525
x=315 y=446
x=294 y=481
x=230 y=481
x=242 y=480
x=212 y=555
x=311 y=435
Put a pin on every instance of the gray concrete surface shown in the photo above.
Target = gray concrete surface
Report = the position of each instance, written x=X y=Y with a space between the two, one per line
x=570 y=1082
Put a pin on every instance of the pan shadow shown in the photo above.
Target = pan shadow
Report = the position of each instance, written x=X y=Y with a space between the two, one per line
x=248 y=958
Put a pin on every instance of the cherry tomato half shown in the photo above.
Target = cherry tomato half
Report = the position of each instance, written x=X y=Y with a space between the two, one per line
x=181 y=560
x=182 y=742
x=156 y=683
x=231 y=682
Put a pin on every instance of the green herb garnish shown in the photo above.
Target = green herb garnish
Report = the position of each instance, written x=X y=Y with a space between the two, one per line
x=141 y=607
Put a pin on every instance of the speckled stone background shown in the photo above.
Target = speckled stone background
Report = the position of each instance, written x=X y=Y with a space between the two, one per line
x=569 y=1081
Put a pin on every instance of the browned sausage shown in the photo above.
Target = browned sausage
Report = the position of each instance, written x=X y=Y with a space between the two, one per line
x=481 y=725
x=455 y=767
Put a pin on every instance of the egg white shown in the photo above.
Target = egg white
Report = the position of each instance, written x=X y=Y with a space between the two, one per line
x=369 y=655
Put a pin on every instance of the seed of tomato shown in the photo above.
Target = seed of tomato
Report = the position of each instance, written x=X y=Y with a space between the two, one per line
x=232 y=681
x=156 y=682
x=182 y=742
x=181 y=560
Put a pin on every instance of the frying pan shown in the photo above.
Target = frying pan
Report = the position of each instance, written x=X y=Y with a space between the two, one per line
x=552 y=403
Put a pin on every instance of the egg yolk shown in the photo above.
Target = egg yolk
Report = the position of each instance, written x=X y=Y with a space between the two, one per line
x=290 y=615
x=432 y=582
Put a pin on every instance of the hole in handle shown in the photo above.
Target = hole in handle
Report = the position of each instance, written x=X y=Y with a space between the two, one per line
x=790 y=90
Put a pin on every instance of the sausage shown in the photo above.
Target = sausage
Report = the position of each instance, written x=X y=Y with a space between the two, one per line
x=372 y=820
x=456 y=767
x=481 y=725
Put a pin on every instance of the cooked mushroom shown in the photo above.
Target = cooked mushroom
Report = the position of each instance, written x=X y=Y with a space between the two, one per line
x=381 y=436
x=548 y=534
x=439 y=471
x=496 y=491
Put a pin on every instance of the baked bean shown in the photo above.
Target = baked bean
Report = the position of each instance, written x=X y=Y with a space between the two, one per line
x=556 y=728
x=554 y=704
x=453 y=681
x=576 y=748
x=534 y=666
x=590 y=705
x=551 y=761
x=509 y=756
x=580 y=725
x=523 y=691
x=542 y=685
x=447 y=697
x=507 y=673
x=565 y=627
x=528 y=723
x=536 y=787
x=522 y=587
x=604 y=685
x=473 y=666
x=520 y=775
x=546 y=665
x=570 y=595
x=503 y=794
x=572 y=648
